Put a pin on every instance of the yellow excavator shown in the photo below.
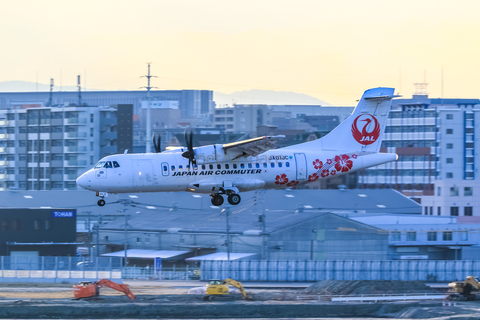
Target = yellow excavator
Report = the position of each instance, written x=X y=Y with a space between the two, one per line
x=462 y=290
x=218 y=290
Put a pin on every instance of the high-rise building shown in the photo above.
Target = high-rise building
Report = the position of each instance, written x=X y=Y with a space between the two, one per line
x=47 y=148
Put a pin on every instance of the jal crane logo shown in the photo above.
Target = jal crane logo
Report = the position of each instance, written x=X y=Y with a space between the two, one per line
x=367 y=135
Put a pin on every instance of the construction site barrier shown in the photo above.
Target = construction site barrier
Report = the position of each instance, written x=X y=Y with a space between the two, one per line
x=312 y=270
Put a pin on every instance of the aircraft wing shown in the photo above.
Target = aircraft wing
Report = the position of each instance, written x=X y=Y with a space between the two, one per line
x=251 y=147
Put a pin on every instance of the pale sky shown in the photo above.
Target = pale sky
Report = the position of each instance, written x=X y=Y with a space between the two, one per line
x=331 y=50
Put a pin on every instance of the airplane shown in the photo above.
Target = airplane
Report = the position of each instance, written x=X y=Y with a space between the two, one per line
x=232 y=168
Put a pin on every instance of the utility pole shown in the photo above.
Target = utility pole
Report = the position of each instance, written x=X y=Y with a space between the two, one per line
x=98 y=238
x=148 y=136
x=87 y=225
x=50 y=99
x=79 y=91
x=125 y=261
x=227 y=211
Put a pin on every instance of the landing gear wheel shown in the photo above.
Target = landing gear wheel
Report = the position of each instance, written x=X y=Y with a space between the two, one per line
x=217 y=200
x=234 y=199
x=101 y=202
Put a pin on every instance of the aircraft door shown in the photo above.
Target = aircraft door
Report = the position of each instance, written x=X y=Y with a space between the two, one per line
x=301 y=164
x=165 y=170
x=142 y=174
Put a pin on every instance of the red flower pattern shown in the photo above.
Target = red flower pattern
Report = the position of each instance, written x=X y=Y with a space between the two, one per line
x=342 y=163
x=329 y=161
x=313 y=177
x=292 y=183
x=281 y=179
x=354 y=156
x=317 y=164
x=333 y=172
x=325 y=173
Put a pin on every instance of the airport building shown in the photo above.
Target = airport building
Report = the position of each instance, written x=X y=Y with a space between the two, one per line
x=47 y=148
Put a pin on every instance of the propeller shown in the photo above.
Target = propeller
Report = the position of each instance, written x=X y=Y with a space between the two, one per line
x=189 y=154
x=156 y=144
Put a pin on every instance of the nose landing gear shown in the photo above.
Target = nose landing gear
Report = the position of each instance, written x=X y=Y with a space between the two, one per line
x=101 y=202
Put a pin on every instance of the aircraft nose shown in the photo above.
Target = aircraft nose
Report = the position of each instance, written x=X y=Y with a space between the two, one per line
x=82 y=181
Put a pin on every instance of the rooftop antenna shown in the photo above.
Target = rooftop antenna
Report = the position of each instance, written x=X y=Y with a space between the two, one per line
x=79 y=91
x=50 y=99
x=421 y=87
x=148 y=137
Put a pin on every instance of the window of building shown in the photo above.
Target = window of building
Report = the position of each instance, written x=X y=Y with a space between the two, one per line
x=5 y=225
x=468 y=211
x=431 y=211
x=453 y=191
x=454 y=211
x=449 y=175
x=431 y=236
x=447 y=236
x=449 y=160
x=469 y=145
x=48 y=224
x=411 y=236
x=463 y=235
x=449 y=116
x=449 y=145
x=396 y=235
x=439 y=211
x=425 y=210
x=16 y=224
x=36 y=225
x=449 y=131
x=139 y=239
x=147 y=240
x=468 y=191
x=439 y=191
x=469 y=116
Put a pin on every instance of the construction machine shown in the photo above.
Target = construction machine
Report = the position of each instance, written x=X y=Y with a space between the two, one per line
x=462 y=290
x=87 y=289
x=218 y=289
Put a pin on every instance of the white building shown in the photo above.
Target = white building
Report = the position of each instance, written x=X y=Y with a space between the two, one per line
x=47 y=148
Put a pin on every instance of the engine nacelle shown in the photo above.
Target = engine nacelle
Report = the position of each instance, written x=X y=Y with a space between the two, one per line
x=209 y=154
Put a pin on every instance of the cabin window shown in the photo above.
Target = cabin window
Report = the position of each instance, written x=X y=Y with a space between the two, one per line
x=165 y=168
x=108 y=164
x=249 y=165
x=287 y=164
x=279 y=164
x=242 y=165
x=204 y=167
x=115 y=164
x=188 y=167
x=173 y=168
x=211 y=167
x=99 y=164
x=272 y=165
x=257 y=165
x=227 y=166
x=195 y=167
x=180 y=168
x=219 y=166
x=264 y=165
x=234 y=166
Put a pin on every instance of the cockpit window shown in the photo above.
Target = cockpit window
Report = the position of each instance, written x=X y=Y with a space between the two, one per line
x=100 y=164
x=115 y=164
x=108 y=164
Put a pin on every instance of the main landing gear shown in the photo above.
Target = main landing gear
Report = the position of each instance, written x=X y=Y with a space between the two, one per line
x=233 y=199
x=101 y=202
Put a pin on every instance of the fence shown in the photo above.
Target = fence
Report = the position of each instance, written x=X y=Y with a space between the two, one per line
x=58 y=269
x=175 y=273
x=262 y=270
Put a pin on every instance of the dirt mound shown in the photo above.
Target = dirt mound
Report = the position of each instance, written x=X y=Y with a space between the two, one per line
x=354 y=287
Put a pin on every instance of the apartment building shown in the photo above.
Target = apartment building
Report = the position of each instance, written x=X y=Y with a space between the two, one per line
x=47 y=148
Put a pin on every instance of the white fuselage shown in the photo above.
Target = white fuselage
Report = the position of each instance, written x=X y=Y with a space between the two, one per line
x=274 y=169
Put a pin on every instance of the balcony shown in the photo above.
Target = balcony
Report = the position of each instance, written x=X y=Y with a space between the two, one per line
x=70 y=121
x=56 y=177
x=70 y=177
x=57 y=149
x=5 y=149
x=4 y=163
x=106 y=137
x=75 y=135
x=4 y=135
x=74 y=149
x=3 y=176
x=56 y=163
x=4 y=122
x=75 y=163
x=56 y=135
x=57 y=122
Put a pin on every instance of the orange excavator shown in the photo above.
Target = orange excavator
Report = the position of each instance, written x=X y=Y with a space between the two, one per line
x=87 y=289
